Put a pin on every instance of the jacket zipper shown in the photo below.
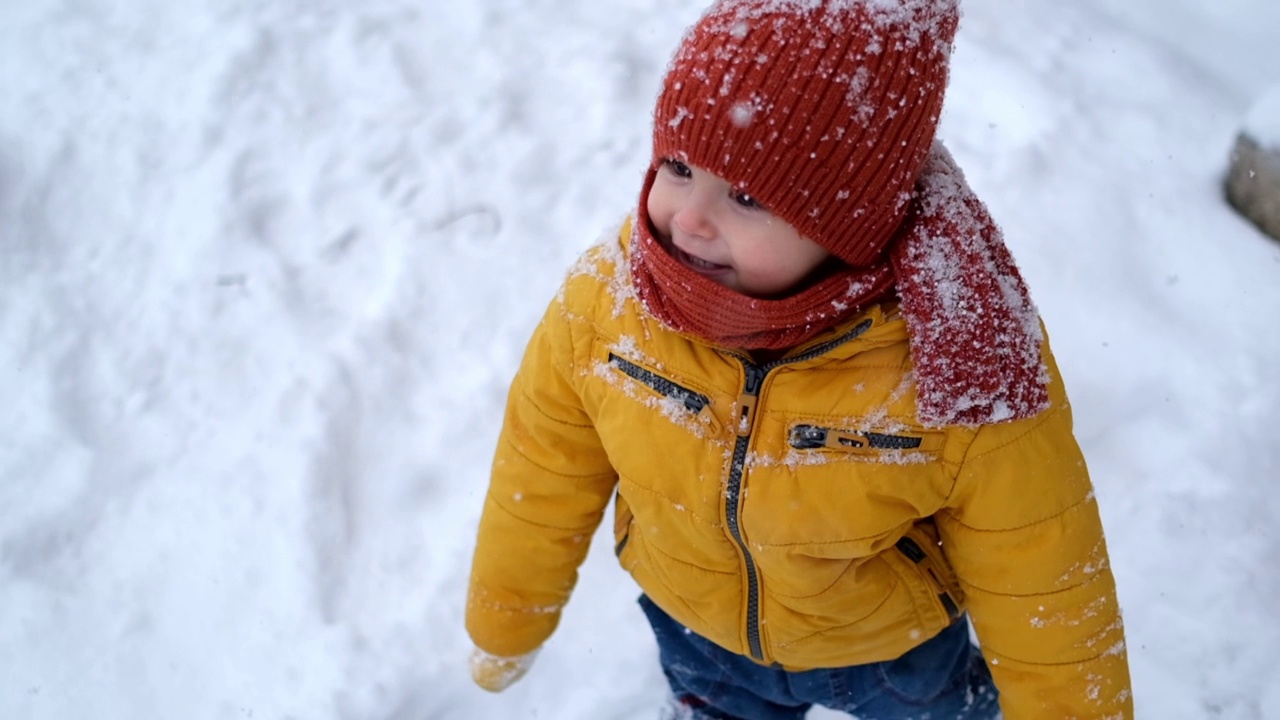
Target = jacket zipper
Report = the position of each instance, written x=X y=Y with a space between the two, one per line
x=753 y=383
x=755 y=375
x=696 y=403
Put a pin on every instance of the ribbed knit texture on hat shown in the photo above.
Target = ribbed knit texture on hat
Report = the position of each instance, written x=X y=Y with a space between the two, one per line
x=822 y=111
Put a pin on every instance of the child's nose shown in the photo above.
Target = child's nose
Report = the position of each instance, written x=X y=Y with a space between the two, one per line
x=693 y=219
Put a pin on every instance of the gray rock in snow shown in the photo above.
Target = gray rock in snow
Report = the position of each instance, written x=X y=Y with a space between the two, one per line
x=1253 y=183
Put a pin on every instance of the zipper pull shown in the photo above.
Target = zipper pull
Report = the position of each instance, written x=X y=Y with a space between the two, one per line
x=747 y=400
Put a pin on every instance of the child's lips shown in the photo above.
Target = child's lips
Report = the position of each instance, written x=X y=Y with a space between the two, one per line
x=697 y=264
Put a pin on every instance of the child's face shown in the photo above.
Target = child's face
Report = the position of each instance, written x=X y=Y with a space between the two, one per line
x=717 y=231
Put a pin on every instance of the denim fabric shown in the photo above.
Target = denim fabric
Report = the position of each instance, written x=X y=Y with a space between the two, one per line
x=943 y=679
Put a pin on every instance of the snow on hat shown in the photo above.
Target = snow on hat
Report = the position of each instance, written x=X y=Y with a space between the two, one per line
x=823 y=111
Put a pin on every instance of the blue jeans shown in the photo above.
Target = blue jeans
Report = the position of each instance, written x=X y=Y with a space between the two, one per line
x=943 y=679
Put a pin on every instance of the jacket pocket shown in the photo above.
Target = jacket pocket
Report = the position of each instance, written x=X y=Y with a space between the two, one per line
x=921 y=547
x=674 y=396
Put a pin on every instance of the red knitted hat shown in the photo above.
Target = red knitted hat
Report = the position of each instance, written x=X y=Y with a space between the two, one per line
x=823 y=111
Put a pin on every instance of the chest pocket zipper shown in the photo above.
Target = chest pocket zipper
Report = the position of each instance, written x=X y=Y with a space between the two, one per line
x=696 y=403
x=814 y=437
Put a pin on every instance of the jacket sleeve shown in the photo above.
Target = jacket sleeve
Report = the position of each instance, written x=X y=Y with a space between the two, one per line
x=550 y=484
x=1023 y=534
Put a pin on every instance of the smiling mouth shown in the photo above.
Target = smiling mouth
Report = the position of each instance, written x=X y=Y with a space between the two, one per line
x=696 y=263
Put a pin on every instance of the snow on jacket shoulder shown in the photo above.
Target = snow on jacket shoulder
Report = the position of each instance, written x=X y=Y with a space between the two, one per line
x=795 y=512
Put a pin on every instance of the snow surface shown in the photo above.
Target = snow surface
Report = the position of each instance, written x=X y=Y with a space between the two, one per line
x=1263 y=121
x=266 y=269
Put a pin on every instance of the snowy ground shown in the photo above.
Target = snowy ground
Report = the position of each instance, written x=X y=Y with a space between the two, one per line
x=266 y=269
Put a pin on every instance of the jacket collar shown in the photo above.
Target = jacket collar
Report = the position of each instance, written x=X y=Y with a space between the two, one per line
x=880 y=325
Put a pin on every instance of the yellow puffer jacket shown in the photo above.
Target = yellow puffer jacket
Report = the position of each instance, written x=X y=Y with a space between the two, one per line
x=794 y=512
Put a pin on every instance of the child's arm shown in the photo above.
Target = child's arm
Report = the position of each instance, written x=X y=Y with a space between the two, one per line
x=550 y=484
x=1022 y=532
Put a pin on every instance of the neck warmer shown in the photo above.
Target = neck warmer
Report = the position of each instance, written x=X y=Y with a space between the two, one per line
x=974 y=332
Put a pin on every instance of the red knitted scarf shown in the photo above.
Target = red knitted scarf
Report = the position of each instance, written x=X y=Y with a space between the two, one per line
x=975 y=334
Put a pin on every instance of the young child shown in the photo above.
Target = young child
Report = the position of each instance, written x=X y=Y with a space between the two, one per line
x=809 y=377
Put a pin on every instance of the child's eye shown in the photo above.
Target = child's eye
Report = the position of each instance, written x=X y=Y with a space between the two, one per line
x=677 y=168
x=745 y=200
